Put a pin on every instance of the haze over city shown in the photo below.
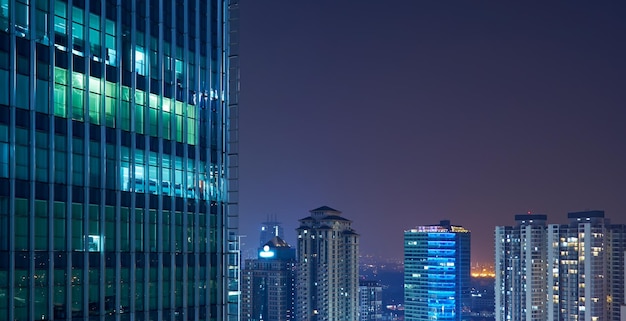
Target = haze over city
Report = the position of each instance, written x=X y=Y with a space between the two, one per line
x=402 y=114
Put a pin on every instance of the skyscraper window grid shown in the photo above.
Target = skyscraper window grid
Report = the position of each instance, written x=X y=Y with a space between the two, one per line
x=114 y=146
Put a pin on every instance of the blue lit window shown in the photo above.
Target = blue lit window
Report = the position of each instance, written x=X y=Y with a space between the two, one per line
x=140 y=61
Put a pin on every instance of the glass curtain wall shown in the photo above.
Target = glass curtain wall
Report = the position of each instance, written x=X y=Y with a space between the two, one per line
x=115 y=140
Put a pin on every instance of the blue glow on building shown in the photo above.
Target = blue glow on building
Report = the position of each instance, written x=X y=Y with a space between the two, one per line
x=437 y=271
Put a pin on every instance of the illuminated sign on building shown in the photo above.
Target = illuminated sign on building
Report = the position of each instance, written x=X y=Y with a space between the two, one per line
x=266 y=252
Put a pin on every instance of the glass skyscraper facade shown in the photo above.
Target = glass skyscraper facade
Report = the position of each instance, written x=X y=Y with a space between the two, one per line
x=436 y=272
x=118 y=160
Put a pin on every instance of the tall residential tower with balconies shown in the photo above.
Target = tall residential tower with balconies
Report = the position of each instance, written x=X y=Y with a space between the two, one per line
x=556 y=272
x=521 y=269
x=328 y=268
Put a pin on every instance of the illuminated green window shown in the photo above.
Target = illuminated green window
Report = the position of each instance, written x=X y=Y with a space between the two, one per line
x=60 y=76
x=110 y=89
x=125 y=109
x=178 y=128
x=77 y=104
x=110 y=103
x=153 y=101
x=78 y=80
x=191 y=125
x=140 y=61
x=139 y=108
x=153 y=121
x=109 y=111
x=94 y=108
x=78 y=84
x=60 y=100
x=60 y=92
x=94 y=100
x=125 y=115
x=167 y=122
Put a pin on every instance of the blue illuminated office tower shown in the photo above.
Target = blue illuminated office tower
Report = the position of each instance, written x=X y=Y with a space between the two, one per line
x=118 y=160
x=436 y=272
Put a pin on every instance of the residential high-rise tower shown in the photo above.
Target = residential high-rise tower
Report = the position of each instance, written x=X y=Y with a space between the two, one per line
x=560 y=272
x=118 y=159
x=521 y=269
x=436 y=272
x=328 y=269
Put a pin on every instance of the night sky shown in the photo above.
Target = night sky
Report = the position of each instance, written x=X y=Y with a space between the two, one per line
x=407 y=112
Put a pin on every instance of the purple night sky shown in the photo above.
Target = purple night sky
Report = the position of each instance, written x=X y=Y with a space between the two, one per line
x=404 y=113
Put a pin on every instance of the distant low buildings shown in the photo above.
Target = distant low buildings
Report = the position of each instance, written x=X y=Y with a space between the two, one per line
x=328 y=269
x=481 y=306
x=370 y=301
x=436 y=272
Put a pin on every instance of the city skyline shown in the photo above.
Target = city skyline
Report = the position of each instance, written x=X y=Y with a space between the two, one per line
x=396 y=114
